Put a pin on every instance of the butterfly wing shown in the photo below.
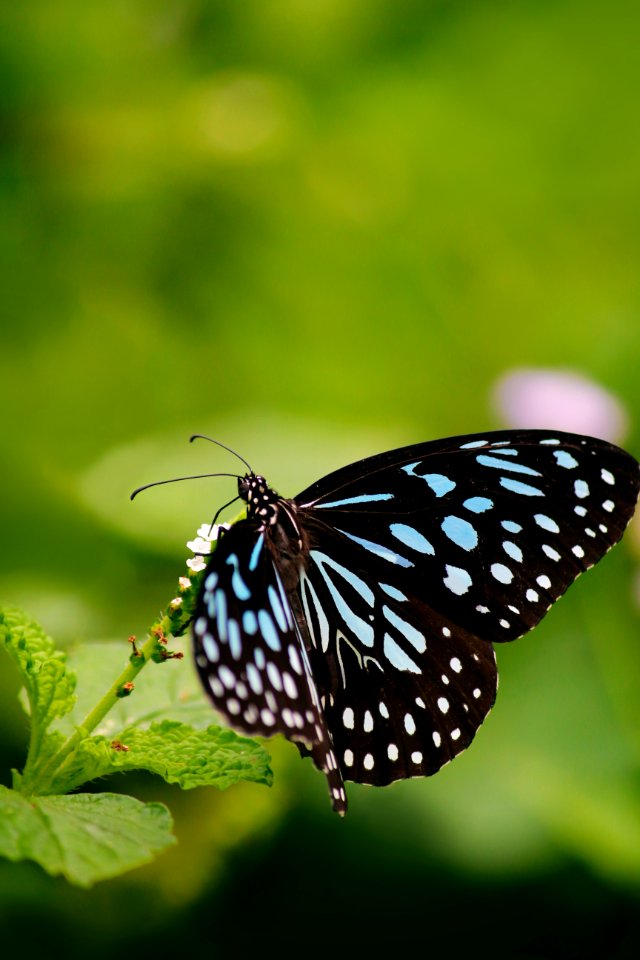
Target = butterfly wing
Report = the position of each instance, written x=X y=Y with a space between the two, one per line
x=249 y=652
x=488 y=530
x=403 y=689
x=421 y=556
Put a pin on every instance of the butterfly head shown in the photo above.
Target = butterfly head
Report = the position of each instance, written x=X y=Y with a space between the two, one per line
x=261 y=500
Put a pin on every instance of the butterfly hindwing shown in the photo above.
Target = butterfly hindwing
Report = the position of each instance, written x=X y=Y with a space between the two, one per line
x=403 y=690
x=250 y=654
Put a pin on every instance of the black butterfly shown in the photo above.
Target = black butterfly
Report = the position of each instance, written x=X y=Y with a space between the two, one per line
x=358 y=618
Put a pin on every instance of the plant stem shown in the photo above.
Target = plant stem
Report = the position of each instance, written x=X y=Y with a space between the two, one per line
x=40 y=777
x=39 y=781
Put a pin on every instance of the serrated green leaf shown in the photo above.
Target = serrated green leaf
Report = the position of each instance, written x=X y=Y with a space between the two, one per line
x=85 y=837
x=169 y=690
x=176 y=752
x=49 y=686
x=165 y=723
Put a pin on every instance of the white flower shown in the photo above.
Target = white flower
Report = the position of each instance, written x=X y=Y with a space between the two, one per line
x=184 y=583
x=211 y=533
x=206 y=535
x=199 y=545
x=196 y=564
x=175 y=603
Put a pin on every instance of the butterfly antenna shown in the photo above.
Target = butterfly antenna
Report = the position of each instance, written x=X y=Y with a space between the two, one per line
x=201 y=436
x=223 y=507
x=197 y=476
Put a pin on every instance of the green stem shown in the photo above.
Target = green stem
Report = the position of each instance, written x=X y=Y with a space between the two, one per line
x=41 y=778
x=40 y=781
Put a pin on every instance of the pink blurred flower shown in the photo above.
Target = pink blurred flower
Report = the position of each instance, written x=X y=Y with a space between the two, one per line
x=539 y=398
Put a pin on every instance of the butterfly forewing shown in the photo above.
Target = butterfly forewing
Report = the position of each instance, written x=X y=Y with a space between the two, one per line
x=489 y=531
x=250 y=654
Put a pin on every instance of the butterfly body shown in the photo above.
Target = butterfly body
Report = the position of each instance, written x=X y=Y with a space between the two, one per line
x=358 y=618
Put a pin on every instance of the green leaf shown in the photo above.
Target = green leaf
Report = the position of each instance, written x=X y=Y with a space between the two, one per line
x=176 y=752
x=169 y=690
x=164 y=726
x=49 y=687
x=86 y=837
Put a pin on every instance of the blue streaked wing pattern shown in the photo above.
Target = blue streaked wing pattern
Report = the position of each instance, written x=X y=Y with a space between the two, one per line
x=358 y=618
x=487 y=531
x=249 y=653
x=403 y=690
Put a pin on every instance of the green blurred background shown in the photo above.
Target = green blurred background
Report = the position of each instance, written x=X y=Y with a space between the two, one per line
x=317 y=229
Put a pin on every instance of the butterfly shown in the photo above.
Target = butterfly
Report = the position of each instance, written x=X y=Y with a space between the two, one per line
x=358 y=618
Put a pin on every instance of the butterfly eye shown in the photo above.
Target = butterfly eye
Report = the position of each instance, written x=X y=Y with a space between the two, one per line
x=358 y=619
x=244 y=487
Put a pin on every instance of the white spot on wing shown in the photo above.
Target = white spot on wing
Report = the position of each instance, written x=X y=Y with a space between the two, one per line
x=294 y=660
x=565 y=459
x=581 y=488
x=411 y=538
x=274 y=676
x=457 y=580
x=550 y=552
x=460 y=532
x=211 y=648
x=502 y=573
x=512 y=550
x=546 y=523
x=440 y=484
x=290 y=687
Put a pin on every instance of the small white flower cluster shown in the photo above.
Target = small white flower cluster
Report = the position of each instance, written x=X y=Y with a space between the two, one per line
x=201 y=546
